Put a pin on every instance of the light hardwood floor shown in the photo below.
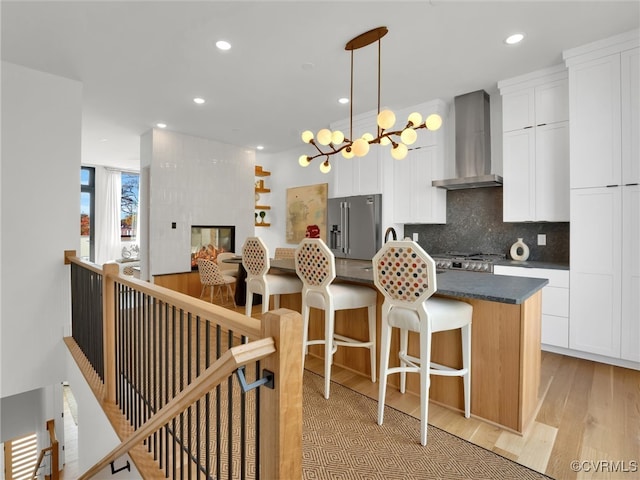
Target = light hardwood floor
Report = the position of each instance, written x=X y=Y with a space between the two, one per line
x=71 y=467
x=589 y=413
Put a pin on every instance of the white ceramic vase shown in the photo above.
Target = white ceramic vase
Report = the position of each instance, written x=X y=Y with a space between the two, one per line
x=520 y=251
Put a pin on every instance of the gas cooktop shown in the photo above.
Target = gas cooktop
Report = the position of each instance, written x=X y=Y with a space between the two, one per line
x=471 y=261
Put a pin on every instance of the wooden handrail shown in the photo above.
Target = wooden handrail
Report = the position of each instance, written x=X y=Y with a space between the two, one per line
x=238 y=322
x=53 y=448
x=220 y=370
x=39 y=462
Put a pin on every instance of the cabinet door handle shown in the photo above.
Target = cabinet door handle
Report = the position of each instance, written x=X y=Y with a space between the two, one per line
x=611 y=186
x=630 y=184
x=541 y=124
x=530 y=126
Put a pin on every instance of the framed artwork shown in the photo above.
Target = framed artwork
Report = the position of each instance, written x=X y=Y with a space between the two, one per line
x=307 y=212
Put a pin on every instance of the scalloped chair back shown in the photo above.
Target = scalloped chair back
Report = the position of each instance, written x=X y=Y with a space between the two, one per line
x=406 y=275
x=315 y=265
x=212 y=277
x=255 y=259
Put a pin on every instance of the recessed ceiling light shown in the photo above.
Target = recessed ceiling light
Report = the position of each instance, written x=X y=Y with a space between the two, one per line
x=343 y=100
x=260 y=147
x=513 y=39
x=198 y=100
x=223 y=45
x=161 y=125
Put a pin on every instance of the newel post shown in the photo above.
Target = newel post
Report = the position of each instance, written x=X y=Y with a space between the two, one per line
x=109 y=270
x=281 y=407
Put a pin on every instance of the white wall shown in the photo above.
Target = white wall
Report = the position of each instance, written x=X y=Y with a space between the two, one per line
x=193 y=181
x=23 y=414
x=40 y=208
x=285 y=173
x=93 y=446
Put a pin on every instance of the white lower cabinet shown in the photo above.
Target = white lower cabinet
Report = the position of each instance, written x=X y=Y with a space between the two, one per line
x=630 y=326
x=596 y=279
x=555 y=301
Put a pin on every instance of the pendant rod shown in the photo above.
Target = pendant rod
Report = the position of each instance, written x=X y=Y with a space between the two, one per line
x=379 y=54
x=351 y=102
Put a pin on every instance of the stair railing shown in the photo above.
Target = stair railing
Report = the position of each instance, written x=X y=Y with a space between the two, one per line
x=165 y=357
x=52 y=452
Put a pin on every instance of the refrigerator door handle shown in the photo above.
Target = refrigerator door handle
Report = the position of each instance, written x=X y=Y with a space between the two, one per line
x=335 y=239
x=345 y=228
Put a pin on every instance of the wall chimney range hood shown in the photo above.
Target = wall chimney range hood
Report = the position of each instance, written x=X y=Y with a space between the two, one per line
x=473 y=144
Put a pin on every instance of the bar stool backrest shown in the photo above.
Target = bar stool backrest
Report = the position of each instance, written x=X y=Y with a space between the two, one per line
x=315 y=263
x=404 y=273
x=255 y=257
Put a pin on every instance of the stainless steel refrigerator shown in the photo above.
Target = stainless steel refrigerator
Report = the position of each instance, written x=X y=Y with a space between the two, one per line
x=354 y=225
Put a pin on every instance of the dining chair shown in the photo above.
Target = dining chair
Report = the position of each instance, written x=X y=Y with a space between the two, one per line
x=230 y=269
x=212 y=277
x=315 y=265
x=255 y=259
x=406 y=275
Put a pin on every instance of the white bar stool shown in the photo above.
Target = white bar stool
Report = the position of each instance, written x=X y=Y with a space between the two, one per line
x=255 y=260
x=315 y=265
x=406 y=276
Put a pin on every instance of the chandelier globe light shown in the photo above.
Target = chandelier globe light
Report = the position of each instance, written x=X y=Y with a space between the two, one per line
x=399 y=139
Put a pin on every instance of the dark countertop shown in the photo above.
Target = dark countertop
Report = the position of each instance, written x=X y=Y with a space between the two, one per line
x=532 y=264
x=483 y=286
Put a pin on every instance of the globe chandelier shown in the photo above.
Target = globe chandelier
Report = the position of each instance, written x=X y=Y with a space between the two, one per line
x=399 y=139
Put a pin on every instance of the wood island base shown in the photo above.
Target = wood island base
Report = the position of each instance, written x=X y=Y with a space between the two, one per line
x=505 y=357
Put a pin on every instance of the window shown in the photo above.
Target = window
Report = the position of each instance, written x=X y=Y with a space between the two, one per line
x=87 y=213
x=129 y=206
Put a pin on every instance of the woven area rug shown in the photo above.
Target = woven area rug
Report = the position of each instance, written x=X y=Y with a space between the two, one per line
x=342 y=440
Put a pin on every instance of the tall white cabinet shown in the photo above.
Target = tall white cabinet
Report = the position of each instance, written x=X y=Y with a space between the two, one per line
x=535 y=116
x=415 y=199
x=357 y=175
x=605 y=200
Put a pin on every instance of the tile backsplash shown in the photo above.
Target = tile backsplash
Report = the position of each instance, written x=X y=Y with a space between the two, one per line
x=474 y=223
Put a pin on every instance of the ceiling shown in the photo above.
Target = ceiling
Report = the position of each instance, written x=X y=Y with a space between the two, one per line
x=143 y=62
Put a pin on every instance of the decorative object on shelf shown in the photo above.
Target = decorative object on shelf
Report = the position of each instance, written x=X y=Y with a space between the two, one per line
x=313 y=231
x=520 y=251
x=260 y=189
x=398 y=139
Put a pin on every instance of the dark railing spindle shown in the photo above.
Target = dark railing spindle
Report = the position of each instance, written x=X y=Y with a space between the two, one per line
x=159 y=350
x=86 y=315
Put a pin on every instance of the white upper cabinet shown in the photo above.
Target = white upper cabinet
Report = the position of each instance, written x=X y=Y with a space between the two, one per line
x=535 y=115
x=415 y=200
x=357 y=175
x=595 y=116
x=604 y=84
x=527 y=107
x=630 y=113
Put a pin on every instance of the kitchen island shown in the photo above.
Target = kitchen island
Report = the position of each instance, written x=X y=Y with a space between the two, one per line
x=505 y=352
